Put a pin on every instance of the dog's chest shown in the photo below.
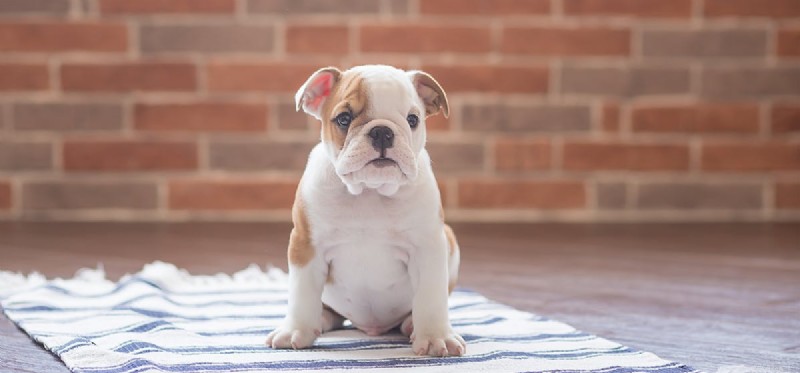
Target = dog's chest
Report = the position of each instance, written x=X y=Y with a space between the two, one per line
x=365 y=241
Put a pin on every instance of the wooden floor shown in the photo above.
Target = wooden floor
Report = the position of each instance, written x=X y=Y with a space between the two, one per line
x=707 y=295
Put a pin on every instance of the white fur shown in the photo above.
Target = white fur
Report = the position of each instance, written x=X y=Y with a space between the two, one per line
x=379 y=230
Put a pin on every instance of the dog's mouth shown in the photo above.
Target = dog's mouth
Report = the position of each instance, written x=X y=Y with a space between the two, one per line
x=382 y=162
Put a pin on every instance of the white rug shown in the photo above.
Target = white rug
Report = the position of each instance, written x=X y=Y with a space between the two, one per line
x=163 y=319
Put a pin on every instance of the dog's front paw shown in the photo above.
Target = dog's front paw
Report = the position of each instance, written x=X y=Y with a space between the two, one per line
x=288 y=337
x=438 y=343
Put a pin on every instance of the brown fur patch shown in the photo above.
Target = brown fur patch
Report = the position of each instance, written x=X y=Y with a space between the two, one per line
x=452 y=245
x=300 y=249
x=349 y=93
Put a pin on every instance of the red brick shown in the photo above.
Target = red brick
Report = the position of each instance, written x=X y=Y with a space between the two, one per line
x=615 y=156
x=23 y=77
x=707 y=118
x=562 y=41
x=752 y=8
x=787 y=196
x=424 y=38
x=231 y=195
x=485 y=7
x=786 y=118
x=63 y=37
x=5 y=195
x=317 y=39
x=126 y=77
x=490 y=78
x=259 y=77
x=751 y=157
x=438 y=123
x=128 y=155
x=522 y=155
x=629 y=8
x=609 y=120
x=201 y=117
x=789 y=43
x=546 y=195
x=172 y=6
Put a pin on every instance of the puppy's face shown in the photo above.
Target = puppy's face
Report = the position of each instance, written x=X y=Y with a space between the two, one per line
x=373 y=122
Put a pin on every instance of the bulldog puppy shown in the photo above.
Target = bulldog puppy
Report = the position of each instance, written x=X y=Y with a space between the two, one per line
x=369 y=242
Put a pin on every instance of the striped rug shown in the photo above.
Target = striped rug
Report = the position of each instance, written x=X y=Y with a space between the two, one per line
x=163 y=319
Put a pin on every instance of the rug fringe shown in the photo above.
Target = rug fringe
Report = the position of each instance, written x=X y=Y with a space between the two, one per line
x=171 y=277
x=167 y=275
x=12 y=282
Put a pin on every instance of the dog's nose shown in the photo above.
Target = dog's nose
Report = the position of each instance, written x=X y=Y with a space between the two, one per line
x=382 y=138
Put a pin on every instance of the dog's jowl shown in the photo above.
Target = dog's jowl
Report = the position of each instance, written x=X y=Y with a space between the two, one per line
x=369 y=242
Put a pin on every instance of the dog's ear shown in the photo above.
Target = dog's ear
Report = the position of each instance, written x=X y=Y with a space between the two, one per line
x=316 y=90
x=430 y=92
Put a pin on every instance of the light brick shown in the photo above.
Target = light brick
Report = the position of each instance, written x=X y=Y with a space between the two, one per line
x=231 y=195
x=512 y=154
x=703 y=119
x=43 y=7
x=752 y=8
x=25 y=156
x=201 y=117
x=67 y=117
x=720 y=43
x=206 y=38
x=330 y=39
x=750 y=82
x=525 y=118
x=144 y=7
x=129 y=155
x=6 y=196
x=624 y=81
x=456 y=157
x=257 y=77
x=329 y=7
x=789 y=43
x=484 y=7
x=611 y=195
x=490 y=78
x=562 y=41
x=624 y=156
x=63 y=37
x=128 y=77
x=259 y=155
x=424 y=38
x=698 y=196
x=89 y=195
x=629 y=8
x=786 y=118
x=545 y=195
x=787 y=196
x=751 y=157
x=23 y=77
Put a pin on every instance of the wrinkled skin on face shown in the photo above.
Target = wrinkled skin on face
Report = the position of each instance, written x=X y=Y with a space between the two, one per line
x=352 y=105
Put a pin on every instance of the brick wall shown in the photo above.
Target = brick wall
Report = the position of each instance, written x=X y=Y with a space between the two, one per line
x=591 y=110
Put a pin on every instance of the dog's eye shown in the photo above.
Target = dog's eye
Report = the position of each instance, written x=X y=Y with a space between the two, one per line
x=344 y=119
x=413 y=120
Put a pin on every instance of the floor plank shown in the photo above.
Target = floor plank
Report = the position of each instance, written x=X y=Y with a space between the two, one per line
x=705 y=294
